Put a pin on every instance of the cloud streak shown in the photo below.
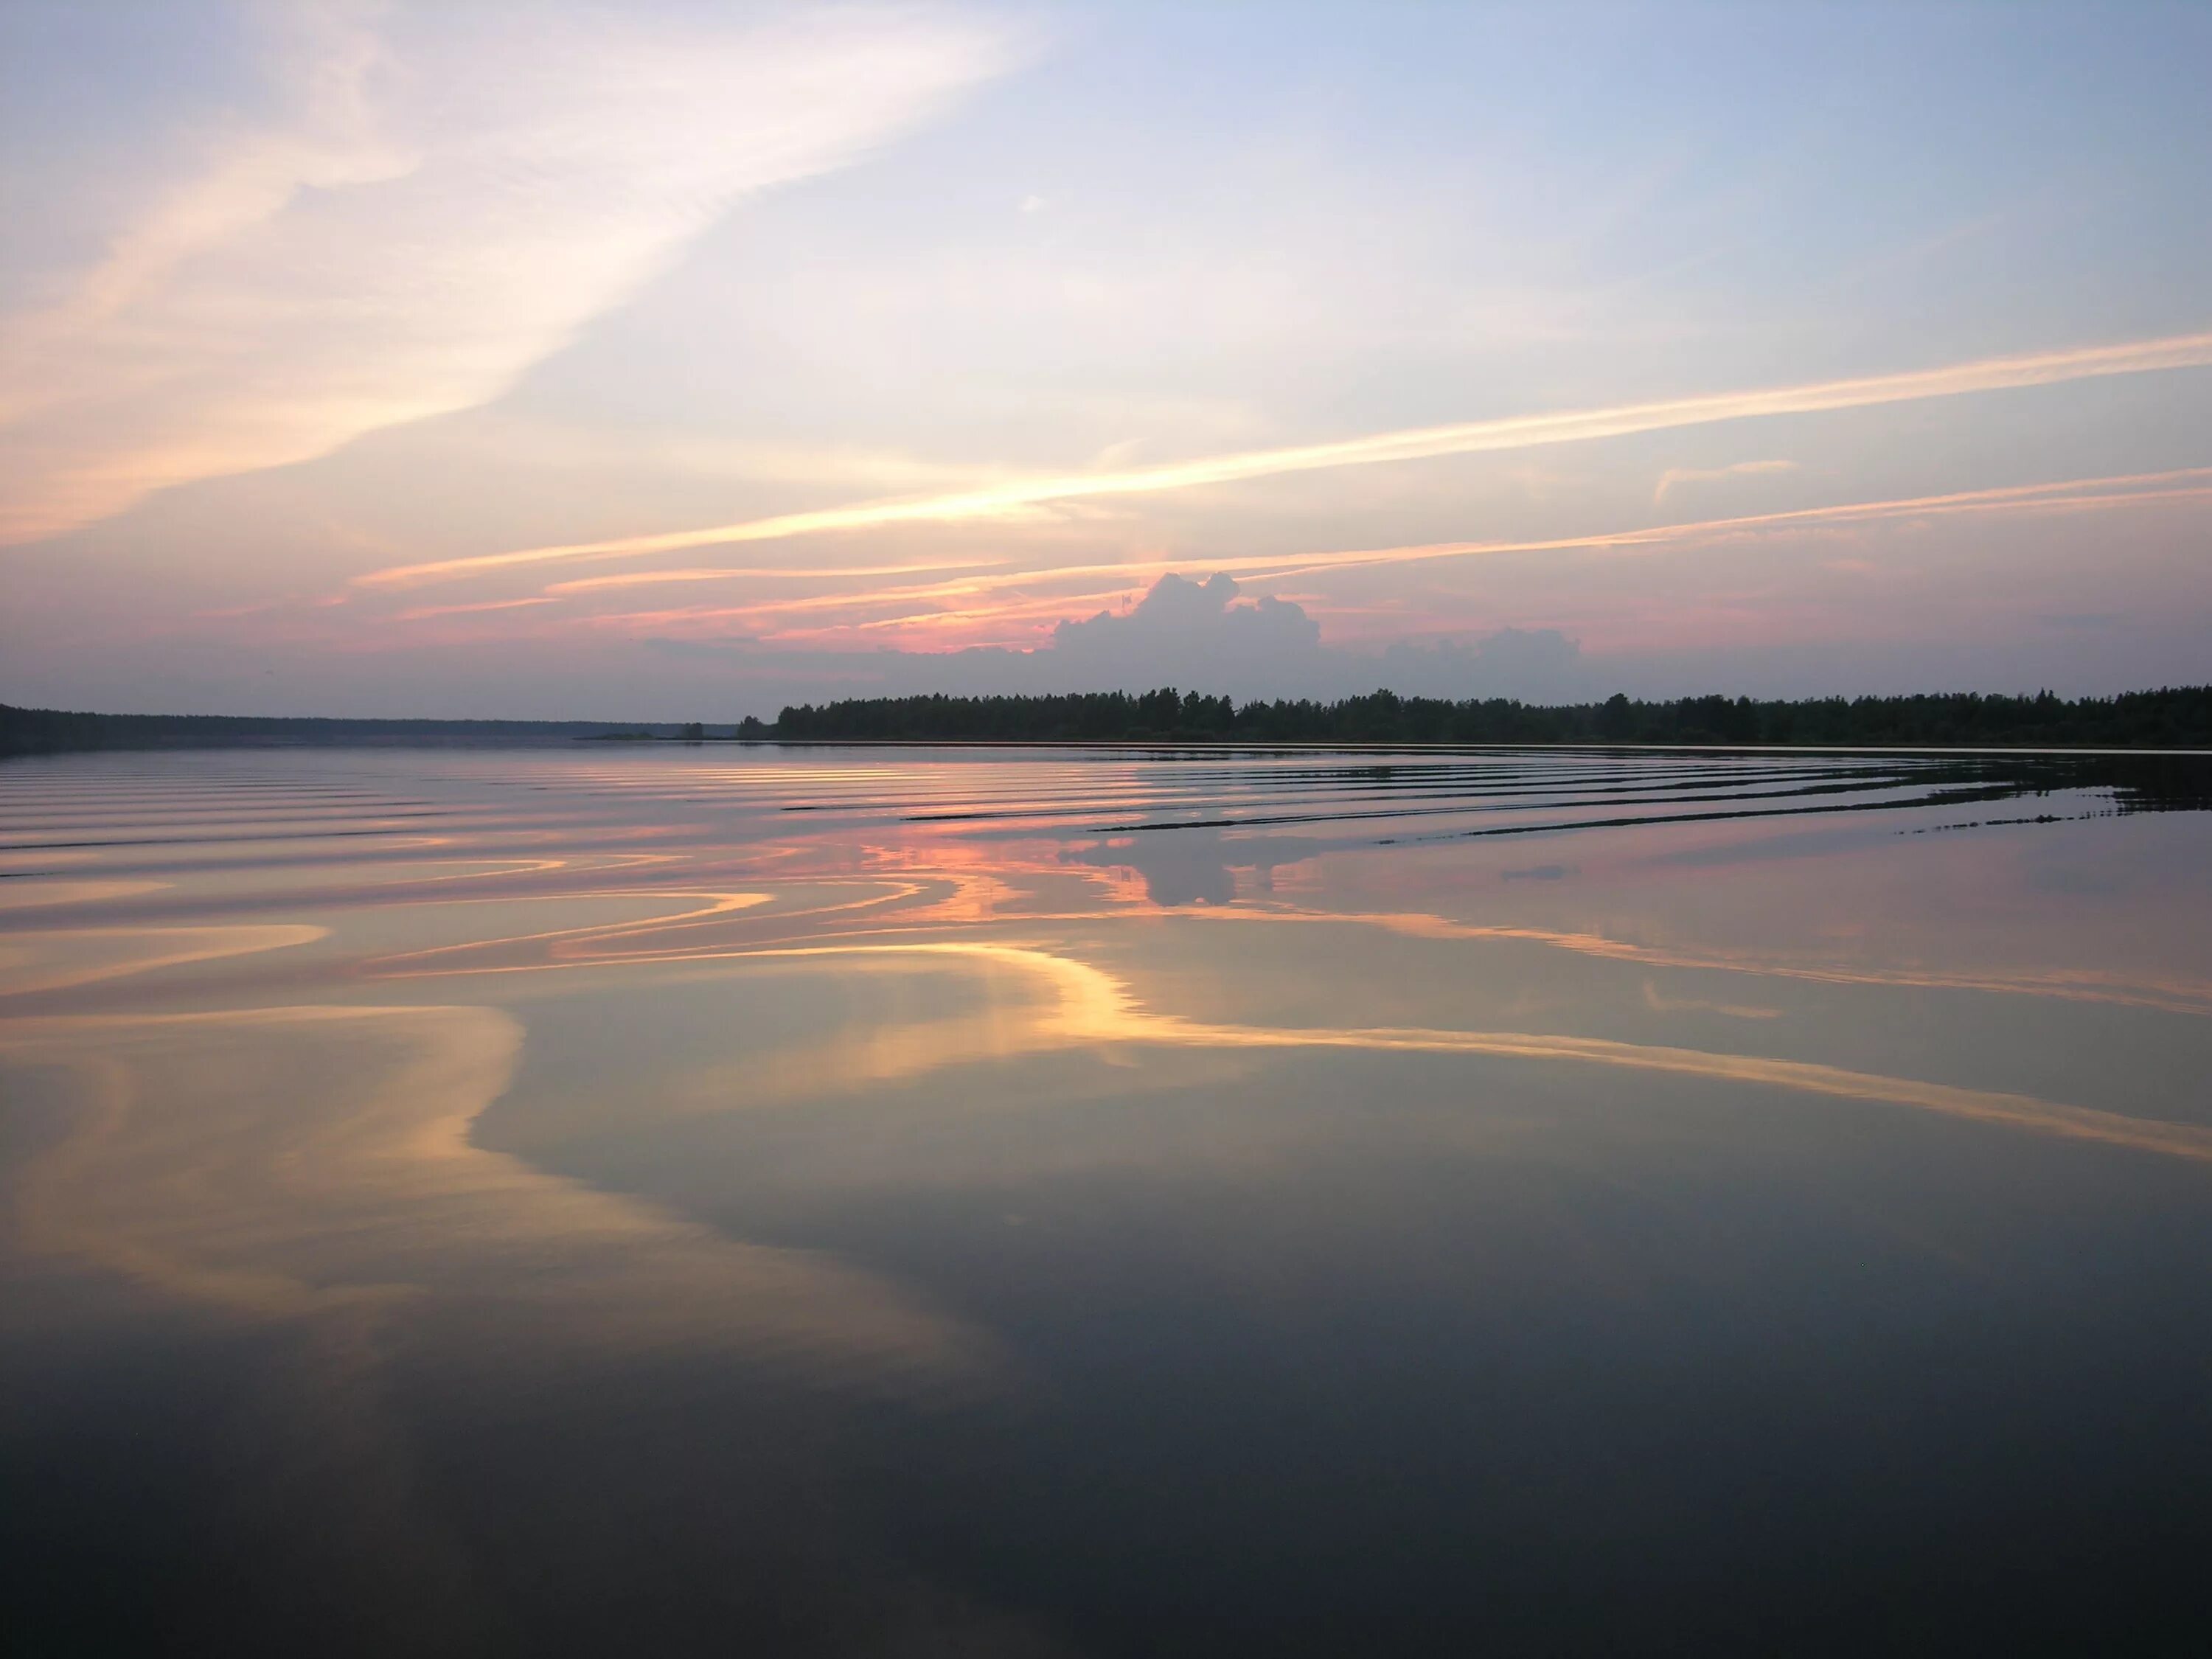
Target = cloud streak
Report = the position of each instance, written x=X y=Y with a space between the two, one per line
x=406 y=234
x=1681 y=475
x=986 y=597
x=1511 y=433
x=2067 y=495
x=767 y=573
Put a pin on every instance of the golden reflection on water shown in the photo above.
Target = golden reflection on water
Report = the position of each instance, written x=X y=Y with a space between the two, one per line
x=60 y=958
x=280 y=1154
x=289 y=1161
x=1074 y=1006
x=219 y=1149
x=408 y=1058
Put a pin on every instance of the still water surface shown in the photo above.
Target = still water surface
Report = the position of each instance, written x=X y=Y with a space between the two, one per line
x=705 y=1200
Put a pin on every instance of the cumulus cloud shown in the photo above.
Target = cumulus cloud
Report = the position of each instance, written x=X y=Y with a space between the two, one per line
x=437 y=198
x=1205 y=634
x=1183 y=629
x=1201 y=636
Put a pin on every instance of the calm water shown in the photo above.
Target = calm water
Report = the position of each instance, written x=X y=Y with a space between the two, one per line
x=700 y=1201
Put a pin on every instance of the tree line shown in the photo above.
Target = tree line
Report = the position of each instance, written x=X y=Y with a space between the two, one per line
x=2177 y=717
x=2174 y=717
x=59 y=730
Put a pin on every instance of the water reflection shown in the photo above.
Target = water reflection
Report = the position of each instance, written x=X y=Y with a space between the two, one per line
x=846 y=1201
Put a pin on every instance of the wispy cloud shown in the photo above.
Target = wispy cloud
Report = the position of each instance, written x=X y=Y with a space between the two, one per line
x=2189 y=484
x=412 y=233
x=1516 y=432
x=772 y=573
x=425 y=613
x=1682 y=475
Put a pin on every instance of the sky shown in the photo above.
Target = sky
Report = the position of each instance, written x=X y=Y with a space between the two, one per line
x=676 y=359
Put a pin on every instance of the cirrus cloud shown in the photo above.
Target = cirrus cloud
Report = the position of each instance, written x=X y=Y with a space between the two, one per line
x=402 y=235
x=1005 y=501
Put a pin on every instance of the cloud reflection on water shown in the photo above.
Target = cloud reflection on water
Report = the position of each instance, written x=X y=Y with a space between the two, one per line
x=281 y=1162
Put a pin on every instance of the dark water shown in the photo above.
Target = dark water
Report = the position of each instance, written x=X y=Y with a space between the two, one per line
x=706 y=1200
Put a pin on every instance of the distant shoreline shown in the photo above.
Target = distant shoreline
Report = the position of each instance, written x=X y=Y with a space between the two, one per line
x=2172 y=720
x=1254 y=746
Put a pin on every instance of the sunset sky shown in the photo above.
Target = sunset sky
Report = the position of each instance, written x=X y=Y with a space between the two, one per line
x=681 y=360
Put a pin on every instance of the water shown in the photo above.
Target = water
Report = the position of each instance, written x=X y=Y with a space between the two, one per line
x=706 y=1200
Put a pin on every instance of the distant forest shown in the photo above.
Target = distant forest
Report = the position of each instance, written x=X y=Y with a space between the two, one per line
x=2178 y=717
x=54 y=730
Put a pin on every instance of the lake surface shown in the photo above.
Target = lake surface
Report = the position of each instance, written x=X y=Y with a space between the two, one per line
x=890 y=1201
